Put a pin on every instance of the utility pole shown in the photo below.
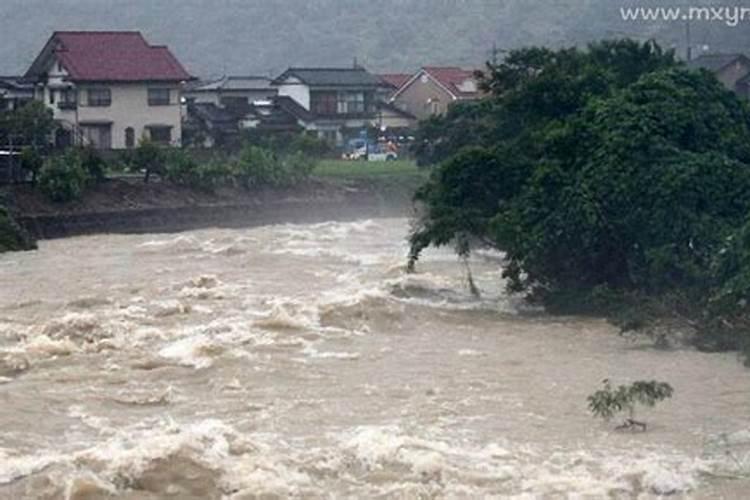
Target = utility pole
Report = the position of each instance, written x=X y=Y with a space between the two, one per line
x=689 y=51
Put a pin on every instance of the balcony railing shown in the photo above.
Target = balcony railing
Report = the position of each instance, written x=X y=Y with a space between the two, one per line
x=67 y=106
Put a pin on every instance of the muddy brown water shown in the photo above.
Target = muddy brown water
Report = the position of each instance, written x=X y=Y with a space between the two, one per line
x=300 y=361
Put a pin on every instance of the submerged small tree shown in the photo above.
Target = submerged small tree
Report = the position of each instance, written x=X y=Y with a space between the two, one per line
x=608 y=402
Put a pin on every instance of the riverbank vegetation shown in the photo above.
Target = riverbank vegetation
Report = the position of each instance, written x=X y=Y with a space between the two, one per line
x=614 y=180
x=346 y=169
x=12 y=236
x=65 y=176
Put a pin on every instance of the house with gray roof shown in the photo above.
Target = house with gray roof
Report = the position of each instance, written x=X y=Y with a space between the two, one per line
x=14 y=92
x=334 y=102
x=733 y=70
x=230 y=91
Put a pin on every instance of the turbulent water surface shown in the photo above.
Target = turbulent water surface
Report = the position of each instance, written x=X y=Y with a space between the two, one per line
x=301 y=361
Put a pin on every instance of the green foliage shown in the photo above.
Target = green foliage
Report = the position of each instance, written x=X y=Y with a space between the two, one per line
x=149 y=158
x=253 y=167
x=31 y=160
x=12 y=236
x=256 y=166
x=608 y=402
x=613 y=170
x=296 y=167
x=288 y=143
x=93 y=163
x=63 y=178
x=182 y=168
x=29 y=125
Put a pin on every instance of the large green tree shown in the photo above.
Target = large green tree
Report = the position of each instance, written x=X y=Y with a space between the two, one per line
x=613 y=168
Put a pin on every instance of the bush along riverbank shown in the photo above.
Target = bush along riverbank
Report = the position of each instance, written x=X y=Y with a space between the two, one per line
x=626 y=192
x=13 y=237
x=334 y=190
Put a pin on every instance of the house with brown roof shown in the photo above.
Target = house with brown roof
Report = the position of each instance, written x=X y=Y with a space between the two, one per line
x=733 y=70
x=432 y=89
x=392 y=82
x=109 y=89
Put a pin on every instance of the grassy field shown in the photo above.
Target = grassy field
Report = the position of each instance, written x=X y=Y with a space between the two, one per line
x=344 y=169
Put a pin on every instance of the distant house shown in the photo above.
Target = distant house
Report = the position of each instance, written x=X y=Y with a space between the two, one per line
x=393 y=119
x=432 y=89
x=108 y=89
x=209 y=125
x=333 y=102
x=218 y=110
x=14 y=92
x=392 y=82
x=733 y=70
x=231 y=91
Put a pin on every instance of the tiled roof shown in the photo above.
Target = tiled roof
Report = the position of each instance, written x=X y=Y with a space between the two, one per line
x=113 y=56
x=331 y=77
x=292 y=107
x=454 y=79
x=15 y=83
x=387 y=106
x=716 y=62
x=233 y=83
x=395 y=80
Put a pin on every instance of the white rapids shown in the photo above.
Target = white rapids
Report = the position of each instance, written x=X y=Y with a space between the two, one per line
x=301 y=361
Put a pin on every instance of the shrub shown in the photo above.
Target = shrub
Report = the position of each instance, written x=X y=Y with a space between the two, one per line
x=31 y=161
x=63 y=178
x=181 y=168
x=149 y=158
x=12 y=236
x=93 y=163
x=257 y=166
x=296 y=168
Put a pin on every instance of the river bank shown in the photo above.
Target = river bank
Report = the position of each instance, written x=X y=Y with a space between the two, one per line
x=127 y=205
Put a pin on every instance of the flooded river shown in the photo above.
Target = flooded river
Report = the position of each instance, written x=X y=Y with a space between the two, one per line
x=301 y=361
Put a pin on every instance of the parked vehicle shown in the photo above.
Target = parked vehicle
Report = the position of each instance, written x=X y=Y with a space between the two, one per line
x=360 y=149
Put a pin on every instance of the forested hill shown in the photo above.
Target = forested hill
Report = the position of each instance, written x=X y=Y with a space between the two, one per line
x=265 y=36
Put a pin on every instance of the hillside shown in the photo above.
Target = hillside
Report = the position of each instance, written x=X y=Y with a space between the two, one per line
x=265 y=36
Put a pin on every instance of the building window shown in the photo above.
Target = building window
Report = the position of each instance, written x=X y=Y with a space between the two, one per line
x=51 y=96
x=160 y=134
x=158 y=97
x=97 y=136
x=129 y=138
x=433 y=106
x=68 y=99
x=351 y=102
x=323 y=103
x=100 y=97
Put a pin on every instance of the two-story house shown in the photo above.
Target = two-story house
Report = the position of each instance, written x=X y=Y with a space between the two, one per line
x=733 y=70
x=14 y=92
x=109 y=89
x=432 y=89
x=335 y=102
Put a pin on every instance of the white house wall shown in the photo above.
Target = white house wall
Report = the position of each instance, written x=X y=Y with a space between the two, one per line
x=298 y=91
x=129 y=109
